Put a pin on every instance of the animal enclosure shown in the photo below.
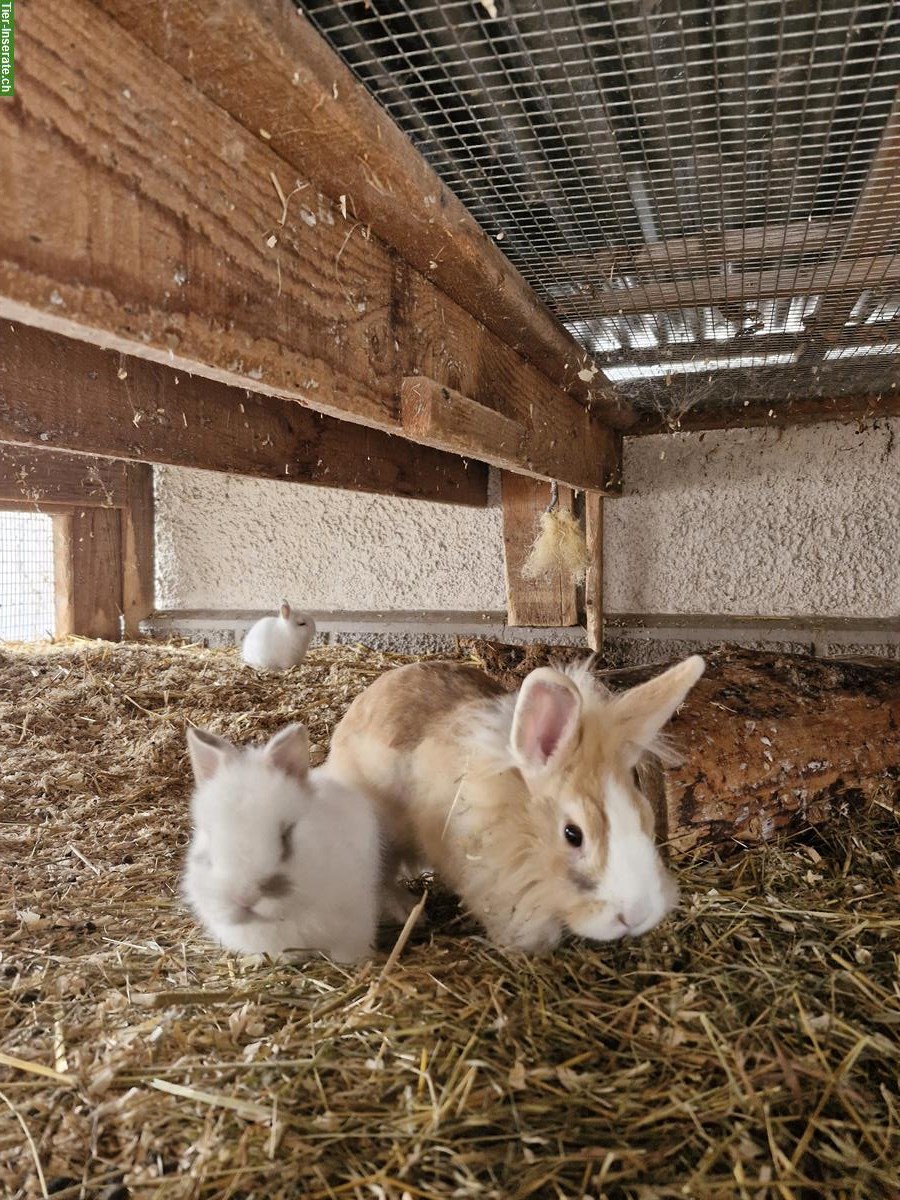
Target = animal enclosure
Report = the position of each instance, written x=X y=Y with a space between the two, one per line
x=342 y=303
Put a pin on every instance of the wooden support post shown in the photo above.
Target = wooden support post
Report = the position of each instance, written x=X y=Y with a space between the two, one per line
x=138 y=548
x=593 y=584
x=163 y=235
x=88 y=573
x=551 y=599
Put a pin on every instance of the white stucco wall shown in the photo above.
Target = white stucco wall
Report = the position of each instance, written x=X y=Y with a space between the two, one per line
x=751 y=522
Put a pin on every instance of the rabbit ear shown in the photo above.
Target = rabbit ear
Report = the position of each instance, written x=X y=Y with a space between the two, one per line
x=546 y=720
x=289 y=751
x=285 y=609
x=641 y=713
x=208 y=752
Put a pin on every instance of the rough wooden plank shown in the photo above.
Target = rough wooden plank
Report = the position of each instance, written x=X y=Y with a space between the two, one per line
x=88 y=573
x=441 y=417
x=593 y=583
x=777 y=414
x=44 y=476
x=770 y=742
x=61 y=393
x=266 y=65
x=550 y=599
x=138 y=548
x=143 y=218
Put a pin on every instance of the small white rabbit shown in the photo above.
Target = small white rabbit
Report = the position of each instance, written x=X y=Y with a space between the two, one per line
x=279 y=643
x=282 y=857
x=525 y=804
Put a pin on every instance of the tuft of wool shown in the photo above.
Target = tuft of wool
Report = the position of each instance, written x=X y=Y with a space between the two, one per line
x=559 y=545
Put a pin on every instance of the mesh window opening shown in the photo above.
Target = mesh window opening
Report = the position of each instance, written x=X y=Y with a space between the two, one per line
x=26 y=577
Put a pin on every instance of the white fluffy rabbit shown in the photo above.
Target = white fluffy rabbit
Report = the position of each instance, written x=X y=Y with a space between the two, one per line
x=279 y=643
x=282 y=857
x=525 y=804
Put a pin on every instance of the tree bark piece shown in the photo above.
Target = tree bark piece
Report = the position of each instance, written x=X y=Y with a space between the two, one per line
x=771 y=743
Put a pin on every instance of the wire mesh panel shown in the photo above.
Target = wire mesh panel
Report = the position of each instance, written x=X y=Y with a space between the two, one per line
x=707 y=195
x=26 y=576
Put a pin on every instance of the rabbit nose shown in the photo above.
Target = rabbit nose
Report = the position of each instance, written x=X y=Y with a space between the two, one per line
x=634 y=913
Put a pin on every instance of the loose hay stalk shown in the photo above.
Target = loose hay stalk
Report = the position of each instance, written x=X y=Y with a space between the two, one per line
x=746 y=1049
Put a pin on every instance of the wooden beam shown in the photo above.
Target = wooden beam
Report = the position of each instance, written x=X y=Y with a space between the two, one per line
x=593 y=583
x=441 y=417
x=59 y=393
x=843 y=276
x=88 y=573
x=138 y=548
x=550 y=599
x=778 y=414
x=144 y=218
x=266 y=66
x=39 y=477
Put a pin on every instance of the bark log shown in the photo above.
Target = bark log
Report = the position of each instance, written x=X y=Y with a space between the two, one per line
x=770 y=743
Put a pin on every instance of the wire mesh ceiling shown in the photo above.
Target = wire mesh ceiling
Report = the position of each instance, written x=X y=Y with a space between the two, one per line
x=708 y=197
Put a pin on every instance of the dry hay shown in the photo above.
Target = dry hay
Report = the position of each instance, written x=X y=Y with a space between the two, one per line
x=747 y=1049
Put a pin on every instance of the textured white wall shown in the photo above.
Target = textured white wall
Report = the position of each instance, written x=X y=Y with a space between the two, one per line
x=226 y=541
x=758 y=522
x=751 y=522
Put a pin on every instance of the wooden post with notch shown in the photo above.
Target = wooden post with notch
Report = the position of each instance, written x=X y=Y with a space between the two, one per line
x=551 y=599
x=87 y=559
x=593 y=584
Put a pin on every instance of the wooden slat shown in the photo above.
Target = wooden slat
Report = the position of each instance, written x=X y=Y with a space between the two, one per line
x=36 y=477
x=551 y=599
x=776 y=413
x=142 y=217
x=88 y=573
x=441 y=417
x=138 y=548
x=266 y=65
x=60 y=393
x=593 y=584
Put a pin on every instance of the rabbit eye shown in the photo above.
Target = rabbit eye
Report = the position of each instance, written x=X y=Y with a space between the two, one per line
x=287 y=848
x=573 y=835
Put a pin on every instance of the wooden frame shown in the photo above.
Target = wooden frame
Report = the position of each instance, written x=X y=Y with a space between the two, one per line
x=205 y=256
x=550 y=600
x=103 y=535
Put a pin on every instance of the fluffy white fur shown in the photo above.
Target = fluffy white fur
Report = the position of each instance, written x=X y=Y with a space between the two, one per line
x=483 y=791
x=282 y=858
x=279 y=643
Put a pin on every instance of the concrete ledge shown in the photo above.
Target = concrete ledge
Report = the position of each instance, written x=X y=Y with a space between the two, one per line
x=630 y=638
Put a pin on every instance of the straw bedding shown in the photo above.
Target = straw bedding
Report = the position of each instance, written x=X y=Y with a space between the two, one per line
x=749 y=1048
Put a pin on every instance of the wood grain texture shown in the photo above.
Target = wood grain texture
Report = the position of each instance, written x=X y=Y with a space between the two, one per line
x=593 y=583
x=777 y=414
x=138 y=548
x=88 y=573
x=550 y=600
x=266 y=66
x=144 y=218
x=771 y=743
x=39 y=477
x=62 y=393
x=441 y=417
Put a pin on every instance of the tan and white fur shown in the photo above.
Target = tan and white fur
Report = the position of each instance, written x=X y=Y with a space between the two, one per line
x=526 y=805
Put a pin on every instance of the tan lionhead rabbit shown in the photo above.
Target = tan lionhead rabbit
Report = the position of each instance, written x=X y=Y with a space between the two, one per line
x=524 y=804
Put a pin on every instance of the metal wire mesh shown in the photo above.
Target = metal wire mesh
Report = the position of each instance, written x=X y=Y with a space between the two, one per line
x=708 y=196
x=26 y=576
